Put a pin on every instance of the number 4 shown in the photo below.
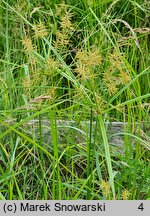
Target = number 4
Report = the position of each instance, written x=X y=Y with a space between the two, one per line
x=141 y=207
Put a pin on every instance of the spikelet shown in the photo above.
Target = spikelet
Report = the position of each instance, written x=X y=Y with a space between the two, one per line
x=40 y=30
x=110 y=81
x=82 y=56
x=52 y=93
x=33 y=62
x=116 y=73
x=27 y=43
x=115 y=59
x=79 y=93
x=125 y=194
x=112 y=88
x=52 y=64
x=62 y=39
x=27 y=82
x=85 y=61
x=83 y=72
x=66 y=23
x=105 y=187
x=100 y=104
x=66 y=27
x=94 y=58
x=36 y=77
x=89 y=59
x=61 y=8
x=124 y=77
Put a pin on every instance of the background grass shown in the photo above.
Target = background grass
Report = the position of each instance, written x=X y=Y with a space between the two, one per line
x=85 y=62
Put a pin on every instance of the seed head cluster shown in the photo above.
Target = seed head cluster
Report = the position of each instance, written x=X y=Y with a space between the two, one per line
x=105 y=188
x=40 y=30
x=116 y=73
x=85 y=63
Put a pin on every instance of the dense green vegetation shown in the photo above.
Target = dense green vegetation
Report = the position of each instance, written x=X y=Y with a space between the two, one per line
x=80 y=61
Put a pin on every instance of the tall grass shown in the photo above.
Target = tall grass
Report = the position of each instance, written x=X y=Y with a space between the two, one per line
x=67 y=70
